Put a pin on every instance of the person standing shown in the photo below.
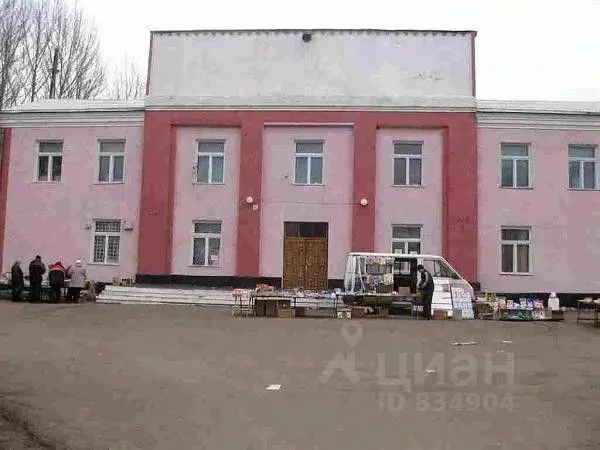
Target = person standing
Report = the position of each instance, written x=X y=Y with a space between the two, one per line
x=426 y=287
x=56 y=279
x=78 y=276
x=17 y=281
x=37 y=269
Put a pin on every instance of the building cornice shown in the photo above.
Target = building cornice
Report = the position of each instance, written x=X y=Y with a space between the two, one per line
x=30 y=119
x=328 y=31
x=299 y=103
x=528 y=121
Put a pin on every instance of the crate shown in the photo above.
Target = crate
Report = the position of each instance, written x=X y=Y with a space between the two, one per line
x=344 y=313
x=286 y=313
x=440 y=314
x=123 y=281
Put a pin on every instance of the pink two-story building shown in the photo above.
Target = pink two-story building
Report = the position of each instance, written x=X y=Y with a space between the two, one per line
x=269 y=155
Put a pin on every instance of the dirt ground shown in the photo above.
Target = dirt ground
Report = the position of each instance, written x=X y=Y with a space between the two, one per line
x=178 y=377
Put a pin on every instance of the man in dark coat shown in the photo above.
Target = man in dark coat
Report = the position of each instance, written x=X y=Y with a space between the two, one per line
x=36 y=272
x=426 y=287
x=17 y=281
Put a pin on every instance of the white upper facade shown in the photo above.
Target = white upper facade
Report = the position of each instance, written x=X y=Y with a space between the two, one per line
x=310 y=67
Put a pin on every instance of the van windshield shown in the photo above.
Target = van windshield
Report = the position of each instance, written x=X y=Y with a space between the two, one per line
x=438 y=268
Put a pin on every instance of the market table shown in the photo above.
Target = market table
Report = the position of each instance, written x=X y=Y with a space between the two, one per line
x=589 y=304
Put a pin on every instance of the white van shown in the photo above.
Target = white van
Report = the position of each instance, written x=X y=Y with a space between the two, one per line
x=386 y=273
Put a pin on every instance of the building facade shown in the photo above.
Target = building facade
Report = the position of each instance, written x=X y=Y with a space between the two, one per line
x=269 y=155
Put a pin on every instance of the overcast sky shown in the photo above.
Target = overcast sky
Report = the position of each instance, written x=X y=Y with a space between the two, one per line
x=526 y=49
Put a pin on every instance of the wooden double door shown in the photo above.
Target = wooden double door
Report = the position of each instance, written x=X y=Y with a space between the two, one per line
x=305 y=254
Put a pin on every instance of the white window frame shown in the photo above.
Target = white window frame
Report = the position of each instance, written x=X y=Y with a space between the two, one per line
x=407 y=158
x=211 y=156
x=310 y=157
x=112 y=156
x=514 y=160
x=514 y=244
x=206 y=237
x=406 y=241
x=51 y=156
x=581 y=160
x=108 y=234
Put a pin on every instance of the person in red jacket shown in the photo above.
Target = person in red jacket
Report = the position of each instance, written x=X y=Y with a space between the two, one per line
x=56 y=279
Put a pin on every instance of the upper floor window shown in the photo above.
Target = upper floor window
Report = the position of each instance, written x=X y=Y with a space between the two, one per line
x=406 y=239
x=107 y=242
x=516 y=250
x=111 y=161
x=582 y=167
x=515 y=166
x=211 y=157
x=408 y=163
x=309 y=162
x=49 y=161
x=206 y=243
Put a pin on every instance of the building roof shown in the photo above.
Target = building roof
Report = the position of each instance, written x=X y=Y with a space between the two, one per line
x=314 y=30
x=490 y=113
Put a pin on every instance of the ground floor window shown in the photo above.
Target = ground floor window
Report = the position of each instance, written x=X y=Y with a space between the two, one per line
x=406 y=239
x=206 y=243
x=106 y=242
x=516 y=251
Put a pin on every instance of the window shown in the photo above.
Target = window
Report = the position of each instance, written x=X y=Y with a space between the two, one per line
x=309 y=162
x=582 y=167
x=111 y=161
x=49 y=161
x=406 y=239
x=515 y=250
x=306 y=229
x=408 y=164
x=515 y=166
x=439 y=269
x=206 y=243
x=107 y=242
x=211 y=157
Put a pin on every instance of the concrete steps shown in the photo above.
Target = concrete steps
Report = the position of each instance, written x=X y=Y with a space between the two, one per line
x=181 y=296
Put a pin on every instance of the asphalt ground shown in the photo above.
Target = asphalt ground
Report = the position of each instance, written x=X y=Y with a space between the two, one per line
x=97 y=376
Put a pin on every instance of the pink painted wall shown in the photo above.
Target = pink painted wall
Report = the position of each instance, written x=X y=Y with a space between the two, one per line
x=400 y=205
x=283 y=201
x=49 y=218
x=194 y=201
x=565 y=252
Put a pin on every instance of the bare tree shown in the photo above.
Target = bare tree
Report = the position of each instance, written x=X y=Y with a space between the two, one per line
x=32 y=33
x=37 y=46
x=14 y=15
x=81 y=73
x=127 y=82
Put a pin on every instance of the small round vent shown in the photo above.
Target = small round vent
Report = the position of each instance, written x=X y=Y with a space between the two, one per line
x=306 y=37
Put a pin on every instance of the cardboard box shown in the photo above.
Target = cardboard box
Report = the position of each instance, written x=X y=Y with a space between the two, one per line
x=358 y=311
x=382 y=311
x=439 y=314
x=404 y=291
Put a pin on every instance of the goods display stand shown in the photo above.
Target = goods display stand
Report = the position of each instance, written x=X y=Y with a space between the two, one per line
x=524 y=310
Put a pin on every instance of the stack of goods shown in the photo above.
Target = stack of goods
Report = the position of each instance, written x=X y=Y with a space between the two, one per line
x=264 y=288
x=511 y=310
x=461 y=301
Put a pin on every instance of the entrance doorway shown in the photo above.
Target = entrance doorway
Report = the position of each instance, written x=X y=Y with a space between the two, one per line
x=305 y=255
